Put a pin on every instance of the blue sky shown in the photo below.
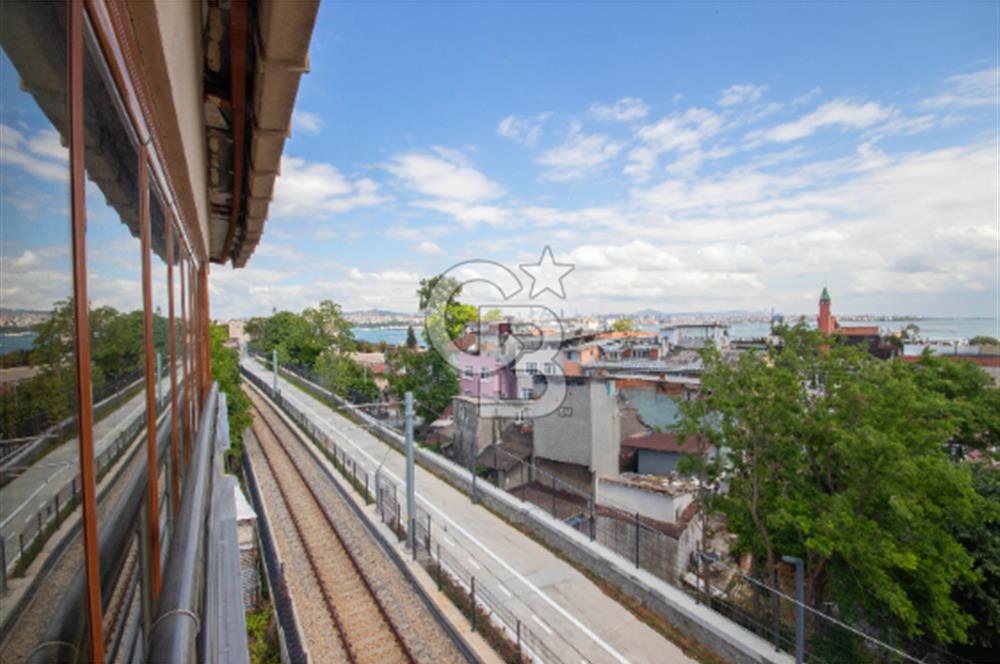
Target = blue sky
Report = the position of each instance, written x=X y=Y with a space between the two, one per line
x=683 y=156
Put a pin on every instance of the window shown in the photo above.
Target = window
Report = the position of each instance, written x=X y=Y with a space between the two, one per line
x=38 y=341
x=467 y=373
x=114 y=273
x=526 y=393
x=550 y=369
x=484 y=374
x=531 y=368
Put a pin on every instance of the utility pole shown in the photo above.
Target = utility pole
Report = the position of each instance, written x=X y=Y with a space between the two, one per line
x=411 y=507
x=800 y=611
x=274 y=369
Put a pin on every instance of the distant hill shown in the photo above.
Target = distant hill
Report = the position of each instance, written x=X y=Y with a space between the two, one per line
x=380 y=312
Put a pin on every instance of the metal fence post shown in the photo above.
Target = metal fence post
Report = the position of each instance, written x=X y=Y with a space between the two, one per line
x=553 y=495
x=3 y=565
x=366 y=489
x=800 y=613
x=274 y=370
x=637 y=526
x=439 y=566
x=592 y=523
x=428 y=534
x=518 y=639
x=472 y=604
x=411 y=513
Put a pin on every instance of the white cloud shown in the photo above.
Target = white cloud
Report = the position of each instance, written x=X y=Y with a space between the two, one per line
x=525 y=130
x=446 y=174
x=429 y=248
x=807 y=97
x=741 y=94
x=580 y=155
x=839 y=112
x=318 y=189
x=626 y=109
x=680 y=132
x=979 y=88
x=307 y=122
x=40 y=155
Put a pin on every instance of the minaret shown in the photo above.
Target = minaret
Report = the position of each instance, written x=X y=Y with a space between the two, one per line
x=825 y=320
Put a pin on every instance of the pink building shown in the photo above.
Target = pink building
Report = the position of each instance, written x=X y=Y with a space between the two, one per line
x=487 y=376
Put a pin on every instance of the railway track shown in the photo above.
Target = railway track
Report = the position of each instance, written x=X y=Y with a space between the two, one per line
x=345 y=584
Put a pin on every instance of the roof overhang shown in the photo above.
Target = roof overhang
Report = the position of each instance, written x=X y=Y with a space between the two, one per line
x=255 y=54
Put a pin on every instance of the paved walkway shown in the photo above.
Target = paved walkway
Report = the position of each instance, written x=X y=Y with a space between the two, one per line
x=560 y=605
x=35 y=488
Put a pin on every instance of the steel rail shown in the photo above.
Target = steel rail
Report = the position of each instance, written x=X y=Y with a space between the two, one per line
x=333 y=527
x=313 y=565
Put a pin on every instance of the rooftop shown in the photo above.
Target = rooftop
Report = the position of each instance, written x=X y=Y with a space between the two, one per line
x=663 y=441
x=668 y=486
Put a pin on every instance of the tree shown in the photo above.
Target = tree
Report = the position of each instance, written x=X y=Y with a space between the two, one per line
x=969 y=400
x=225 y=370
x=411 y=337
x=623 y=325
x=426 y=374
x=910 y=333
x=343 y=376
x=456 y=315
x=981 y=538
x=983 y=340
x=840 y=458
x=301 y=338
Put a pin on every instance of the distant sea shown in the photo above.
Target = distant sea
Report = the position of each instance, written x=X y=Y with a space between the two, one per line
x=393 y=336
x=11 y=342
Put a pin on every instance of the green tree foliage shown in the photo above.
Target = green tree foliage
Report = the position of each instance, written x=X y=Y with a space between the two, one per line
x=426 y=374
x=983 y=340
x=343 y=376
x=411 y=337
x=623 y=325
x=301 y=338
x=117 y=353
x=456 y=314
x=841 y=459
x=981 y=538
x=226 y=371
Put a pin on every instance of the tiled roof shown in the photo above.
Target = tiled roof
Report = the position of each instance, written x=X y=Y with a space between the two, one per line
x=662 y=441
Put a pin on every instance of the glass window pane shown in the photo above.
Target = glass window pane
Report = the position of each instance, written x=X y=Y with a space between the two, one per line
x=39 y=446
x=158 y=229
x=117 y=325
x=161 y=296
x=176 y=370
